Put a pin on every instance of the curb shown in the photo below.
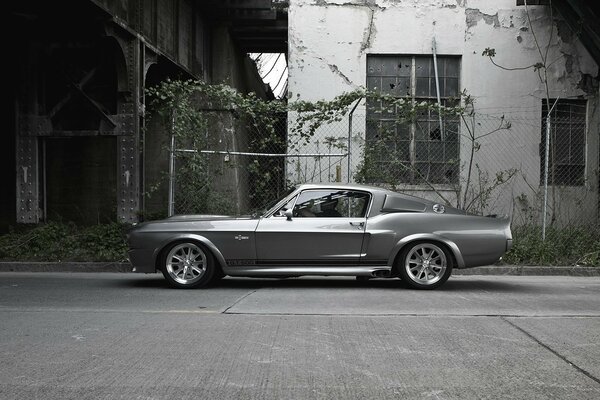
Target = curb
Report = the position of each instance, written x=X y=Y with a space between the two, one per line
x=529 y=270
x=521 y=270
x=9 y=266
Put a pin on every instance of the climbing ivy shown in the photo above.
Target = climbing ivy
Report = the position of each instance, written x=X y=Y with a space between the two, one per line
x=187 y=108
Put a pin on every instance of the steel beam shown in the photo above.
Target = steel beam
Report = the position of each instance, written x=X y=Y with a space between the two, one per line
x=28 y=208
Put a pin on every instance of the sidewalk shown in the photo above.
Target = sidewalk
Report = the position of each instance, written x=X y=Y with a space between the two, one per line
x=126 y=267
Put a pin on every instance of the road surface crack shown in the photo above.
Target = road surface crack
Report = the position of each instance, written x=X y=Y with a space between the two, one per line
x=550 y=349
x=238 y=301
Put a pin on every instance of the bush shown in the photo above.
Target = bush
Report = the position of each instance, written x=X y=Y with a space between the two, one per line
x=563 y=246
x=56 y=241
x=68 y=242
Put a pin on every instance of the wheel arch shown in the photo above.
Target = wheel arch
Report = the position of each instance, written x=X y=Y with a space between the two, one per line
x=210 y=246
x=420 y=237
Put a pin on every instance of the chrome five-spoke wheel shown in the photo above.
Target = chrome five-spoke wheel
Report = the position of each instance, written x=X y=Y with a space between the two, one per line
x=187 y=265
x=425 y=265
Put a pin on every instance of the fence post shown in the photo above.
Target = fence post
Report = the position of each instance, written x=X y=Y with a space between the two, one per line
x=171 y=200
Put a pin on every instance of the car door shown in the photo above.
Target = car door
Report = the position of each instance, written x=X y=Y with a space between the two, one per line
x=326 y=227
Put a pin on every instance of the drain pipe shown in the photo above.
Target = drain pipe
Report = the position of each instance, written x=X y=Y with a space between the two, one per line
x=350 y=136
x=437 y=86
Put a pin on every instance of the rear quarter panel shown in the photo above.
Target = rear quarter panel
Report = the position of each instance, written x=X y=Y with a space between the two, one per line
x=480 y=240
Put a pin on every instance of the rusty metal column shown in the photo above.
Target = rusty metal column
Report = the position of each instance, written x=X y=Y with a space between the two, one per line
x=27 y=158
x=28 y=209
x=128 y=176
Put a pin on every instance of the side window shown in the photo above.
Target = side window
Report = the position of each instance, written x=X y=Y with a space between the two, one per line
x=357 y=204
x=326 y=203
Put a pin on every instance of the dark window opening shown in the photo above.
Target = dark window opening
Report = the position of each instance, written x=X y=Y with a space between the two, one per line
x=417 y=150
x=566 y=161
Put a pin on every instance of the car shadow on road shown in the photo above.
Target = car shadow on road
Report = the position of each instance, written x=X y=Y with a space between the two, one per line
x=486 y=284
x=482 y=284
x=473 y=284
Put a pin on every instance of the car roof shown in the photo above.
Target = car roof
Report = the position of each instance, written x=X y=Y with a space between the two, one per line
x=356 y=186
x=344 y=186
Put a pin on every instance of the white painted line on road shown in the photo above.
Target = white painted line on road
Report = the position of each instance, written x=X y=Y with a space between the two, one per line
x=106 y=310
x=291 y=314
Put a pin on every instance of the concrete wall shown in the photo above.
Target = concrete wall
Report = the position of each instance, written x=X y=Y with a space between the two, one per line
x=329 y=41
x=174 y=27
x=228 y=175
x=230 y=67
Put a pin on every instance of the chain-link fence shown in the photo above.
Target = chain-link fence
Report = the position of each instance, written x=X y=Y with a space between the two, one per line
x=489 y=163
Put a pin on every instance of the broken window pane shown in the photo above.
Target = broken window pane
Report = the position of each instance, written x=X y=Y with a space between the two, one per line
x=416 y=148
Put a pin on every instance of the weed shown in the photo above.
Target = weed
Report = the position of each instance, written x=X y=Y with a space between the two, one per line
x=55 y=241
x=563 y=246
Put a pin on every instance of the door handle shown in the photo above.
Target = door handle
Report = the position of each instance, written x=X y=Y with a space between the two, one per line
x=358 y=224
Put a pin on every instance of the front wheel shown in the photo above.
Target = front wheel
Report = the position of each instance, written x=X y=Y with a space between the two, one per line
x=187 y=265
x=425 y=265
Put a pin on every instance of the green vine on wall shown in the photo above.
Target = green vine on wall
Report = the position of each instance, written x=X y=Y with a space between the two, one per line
x=185 y=109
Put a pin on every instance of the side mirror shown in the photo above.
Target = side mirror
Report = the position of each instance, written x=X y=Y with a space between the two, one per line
x=289 y=214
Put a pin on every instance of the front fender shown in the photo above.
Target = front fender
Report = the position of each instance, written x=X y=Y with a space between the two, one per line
x=197 y=238
x=460 y=263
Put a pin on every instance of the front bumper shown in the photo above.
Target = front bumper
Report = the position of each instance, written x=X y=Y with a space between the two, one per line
x=142 y=260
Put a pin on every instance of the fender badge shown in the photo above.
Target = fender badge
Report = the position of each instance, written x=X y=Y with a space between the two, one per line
x=439 y=209
x=240 y=237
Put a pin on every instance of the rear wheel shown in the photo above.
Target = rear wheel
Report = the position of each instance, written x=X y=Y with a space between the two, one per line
x=425 y=265
x=187 y=265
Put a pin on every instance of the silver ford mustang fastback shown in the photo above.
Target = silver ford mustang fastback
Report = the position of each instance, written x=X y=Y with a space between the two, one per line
x=326 y=229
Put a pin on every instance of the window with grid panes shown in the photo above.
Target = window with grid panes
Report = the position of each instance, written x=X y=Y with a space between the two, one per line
x=417 y=150
x=533 y=2
x=566 y=161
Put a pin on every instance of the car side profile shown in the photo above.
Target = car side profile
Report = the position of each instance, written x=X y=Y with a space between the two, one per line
x=327 y=230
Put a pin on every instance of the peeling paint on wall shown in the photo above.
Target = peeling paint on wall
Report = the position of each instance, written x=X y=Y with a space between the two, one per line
x=330 y=41
x=334 y=68
x=589 y=84
x=473 y=16
x=369 y=32
x=364 y=3
x=563 y=31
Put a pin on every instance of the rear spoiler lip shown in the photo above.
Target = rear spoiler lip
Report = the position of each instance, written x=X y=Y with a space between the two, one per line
x=498 y=216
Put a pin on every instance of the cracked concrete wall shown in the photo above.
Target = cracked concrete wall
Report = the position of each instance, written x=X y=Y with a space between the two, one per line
x=329 y=41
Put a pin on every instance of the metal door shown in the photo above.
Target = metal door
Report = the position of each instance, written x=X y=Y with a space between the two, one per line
x=316 y=234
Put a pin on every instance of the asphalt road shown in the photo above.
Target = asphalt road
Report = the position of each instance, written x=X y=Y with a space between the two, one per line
x=126 y=336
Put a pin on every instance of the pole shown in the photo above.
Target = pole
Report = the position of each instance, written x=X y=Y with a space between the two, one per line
x=171 y=201
x=546 y=163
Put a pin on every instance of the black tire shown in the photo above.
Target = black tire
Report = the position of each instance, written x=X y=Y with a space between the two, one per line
x=187 y=265
x=217 y=276
x=425 y=265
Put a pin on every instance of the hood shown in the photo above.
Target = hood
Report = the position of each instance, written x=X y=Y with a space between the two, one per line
x=205 y=217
